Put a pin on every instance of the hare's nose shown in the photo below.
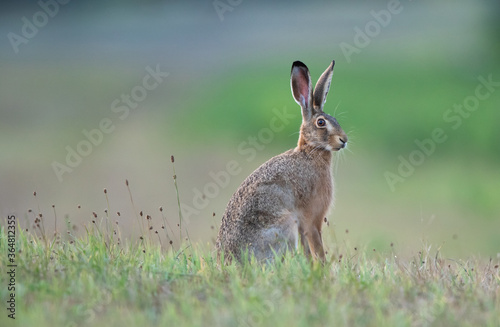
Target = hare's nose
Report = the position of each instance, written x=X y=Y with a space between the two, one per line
x=343 y=141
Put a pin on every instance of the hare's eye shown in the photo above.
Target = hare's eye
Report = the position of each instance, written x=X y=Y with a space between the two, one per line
x=321 y=122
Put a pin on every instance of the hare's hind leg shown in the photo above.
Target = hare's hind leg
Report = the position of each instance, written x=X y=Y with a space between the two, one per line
x=279 y=238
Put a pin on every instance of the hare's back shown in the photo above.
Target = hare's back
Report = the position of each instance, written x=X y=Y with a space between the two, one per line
x=267 y=192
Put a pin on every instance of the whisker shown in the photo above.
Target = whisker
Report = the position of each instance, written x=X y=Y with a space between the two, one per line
x=341 y=114
x=336 y=163
x=336 y=107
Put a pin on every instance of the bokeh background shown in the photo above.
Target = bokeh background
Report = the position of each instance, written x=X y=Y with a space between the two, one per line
x=228 y=65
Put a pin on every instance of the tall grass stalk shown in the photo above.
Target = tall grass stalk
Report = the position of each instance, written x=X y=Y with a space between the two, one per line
x=172 y=159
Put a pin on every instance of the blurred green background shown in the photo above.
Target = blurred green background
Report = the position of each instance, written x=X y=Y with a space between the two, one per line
x=228 y=65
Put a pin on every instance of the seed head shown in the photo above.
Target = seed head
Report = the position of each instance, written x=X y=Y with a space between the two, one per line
x=172 y=159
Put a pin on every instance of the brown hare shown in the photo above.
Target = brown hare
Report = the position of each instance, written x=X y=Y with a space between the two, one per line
x=283 y=202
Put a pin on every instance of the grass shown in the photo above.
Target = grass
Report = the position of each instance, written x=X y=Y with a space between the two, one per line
x=97 y=280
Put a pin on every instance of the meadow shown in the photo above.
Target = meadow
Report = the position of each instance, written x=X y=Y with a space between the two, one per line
x=412 y=239
x=99 y=279
x=223 y=82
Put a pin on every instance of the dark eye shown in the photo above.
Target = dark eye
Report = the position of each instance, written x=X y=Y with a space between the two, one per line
x=321 y=122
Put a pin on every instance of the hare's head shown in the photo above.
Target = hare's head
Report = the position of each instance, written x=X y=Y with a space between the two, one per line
x=318 y=130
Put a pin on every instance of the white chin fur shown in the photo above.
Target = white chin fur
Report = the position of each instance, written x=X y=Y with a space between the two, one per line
x=328 y=147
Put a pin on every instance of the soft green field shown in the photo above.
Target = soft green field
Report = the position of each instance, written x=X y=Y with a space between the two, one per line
x=415 y=255
x=95 y=280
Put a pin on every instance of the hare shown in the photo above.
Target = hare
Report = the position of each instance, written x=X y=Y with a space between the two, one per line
x=283 y=203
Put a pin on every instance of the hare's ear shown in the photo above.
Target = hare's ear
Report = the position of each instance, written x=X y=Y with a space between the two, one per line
x=322 y=87
x=300 y=82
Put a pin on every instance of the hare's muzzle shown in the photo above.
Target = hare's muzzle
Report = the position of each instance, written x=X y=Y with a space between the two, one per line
x=340 y=142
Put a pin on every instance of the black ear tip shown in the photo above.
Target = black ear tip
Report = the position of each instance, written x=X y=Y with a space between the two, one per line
x=333 y=63
x=298 y=64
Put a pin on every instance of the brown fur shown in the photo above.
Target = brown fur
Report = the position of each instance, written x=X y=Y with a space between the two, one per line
x=284 y=201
